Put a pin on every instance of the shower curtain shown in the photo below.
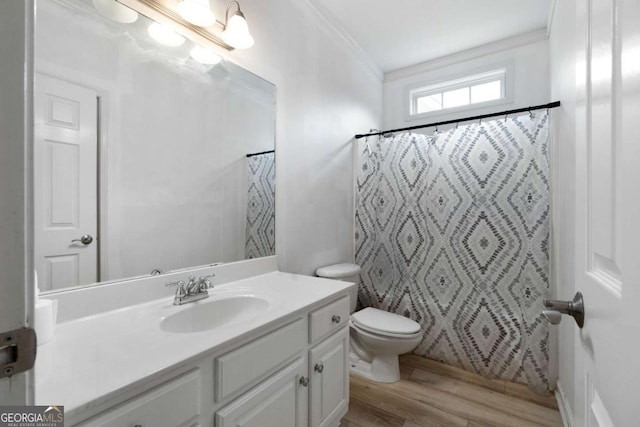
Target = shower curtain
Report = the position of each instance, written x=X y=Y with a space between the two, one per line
x=260 y=239
x=452 y=230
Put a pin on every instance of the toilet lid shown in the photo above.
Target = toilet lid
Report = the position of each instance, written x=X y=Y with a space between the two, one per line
x=338 y=271
x=375 y=320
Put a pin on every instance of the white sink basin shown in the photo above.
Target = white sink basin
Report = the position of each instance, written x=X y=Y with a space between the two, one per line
x=206 y=315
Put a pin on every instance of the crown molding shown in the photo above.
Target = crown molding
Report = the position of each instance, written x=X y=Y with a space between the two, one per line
x=330 y=22
x=552 y=11
x=523 y=39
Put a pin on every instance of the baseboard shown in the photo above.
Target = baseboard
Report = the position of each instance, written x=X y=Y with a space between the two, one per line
x=563 y=405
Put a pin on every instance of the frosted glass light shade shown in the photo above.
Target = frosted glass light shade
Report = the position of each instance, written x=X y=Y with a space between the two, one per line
x=165 y=35
x=116 y=11
x=196 y=12
x=236 y=34
x=205 y=56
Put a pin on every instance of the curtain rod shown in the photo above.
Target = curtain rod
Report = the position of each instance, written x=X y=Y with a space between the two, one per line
x=465 y=119
x=262 y=152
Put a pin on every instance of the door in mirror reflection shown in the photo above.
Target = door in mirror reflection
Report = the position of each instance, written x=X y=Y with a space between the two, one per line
x=65 y=183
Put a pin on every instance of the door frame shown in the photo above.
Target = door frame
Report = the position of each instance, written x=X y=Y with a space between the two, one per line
x=17 y=23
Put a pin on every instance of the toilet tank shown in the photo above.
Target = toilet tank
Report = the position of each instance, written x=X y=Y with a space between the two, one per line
x=345 y=272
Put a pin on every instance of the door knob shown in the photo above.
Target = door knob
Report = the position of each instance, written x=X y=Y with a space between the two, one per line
x=87 y=239
x=574 y=308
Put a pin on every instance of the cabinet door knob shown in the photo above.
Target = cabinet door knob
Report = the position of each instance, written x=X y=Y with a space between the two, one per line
x=319 y=367
x=335 y=318
x=304 y=381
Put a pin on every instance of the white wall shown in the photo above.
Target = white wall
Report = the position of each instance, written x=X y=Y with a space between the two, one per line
x=528 y=54
x=562 y=51
x=326 y=93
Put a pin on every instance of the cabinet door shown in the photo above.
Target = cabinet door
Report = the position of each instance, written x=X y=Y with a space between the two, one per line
x=280 y=401
x=329 y=380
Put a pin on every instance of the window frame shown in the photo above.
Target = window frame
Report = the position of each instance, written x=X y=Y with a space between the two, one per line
x=502 y=72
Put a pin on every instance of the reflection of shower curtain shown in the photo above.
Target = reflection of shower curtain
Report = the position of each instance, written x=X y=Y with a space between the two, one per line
x=260 y=239
x=453 y=231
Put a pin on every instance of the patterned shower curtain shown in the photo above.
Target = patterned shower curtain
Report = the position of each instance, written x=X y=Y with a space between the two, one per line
x=452 y=230
x=260 y=239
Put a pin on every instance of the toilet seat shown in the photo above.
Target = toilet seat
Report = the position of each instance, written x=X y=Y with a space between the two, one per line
x=385 y=324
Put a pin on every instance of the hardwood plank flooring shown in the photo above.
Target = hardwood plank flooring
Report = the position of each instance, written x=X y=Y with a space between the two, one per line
x=430 y=393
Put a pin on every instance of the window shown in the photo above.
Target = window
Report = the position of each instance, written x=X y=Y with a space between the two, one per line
x=459 y=93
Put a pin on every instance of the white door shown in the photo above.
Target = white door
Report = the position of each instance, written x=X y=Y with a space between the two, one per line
x=608 y=212
x=65 y=184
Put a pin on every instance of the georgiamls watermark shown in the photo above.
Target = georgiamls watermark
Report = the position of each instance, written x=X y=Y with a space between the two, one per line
x=31 y=416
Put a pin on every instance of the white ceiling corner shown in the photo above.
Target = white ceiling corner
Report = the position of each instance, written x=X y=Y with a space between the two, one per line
x=335 y=25
x=403 y=33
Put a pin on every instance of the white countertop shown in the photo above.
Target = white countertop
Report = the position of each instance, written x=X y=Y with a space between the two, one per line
x=94 y=358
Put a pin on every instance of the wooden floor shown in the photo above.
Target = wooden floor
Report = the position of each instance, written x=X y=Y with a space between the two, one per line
x=434 y=394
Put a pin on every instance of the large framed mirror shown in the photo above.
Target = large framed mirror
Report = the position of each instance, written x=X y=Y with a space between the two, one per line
x=146 y=160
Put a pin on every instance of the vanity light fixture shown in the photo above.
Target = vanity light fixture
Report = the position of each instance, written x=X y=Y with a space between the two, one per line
x=116 y=11
x=165 y=35
x=196 y=12
x=236 y=31
x=205 y=55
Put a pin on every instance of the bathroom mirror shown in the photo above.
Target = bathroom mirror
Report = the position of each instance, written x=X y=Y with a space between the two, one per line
x=146 y=160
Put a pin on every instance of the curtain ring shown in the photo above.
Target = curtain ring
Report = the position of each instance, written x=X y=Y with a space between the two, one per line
x=505 y=117
x=530 y=113
x=457 y=123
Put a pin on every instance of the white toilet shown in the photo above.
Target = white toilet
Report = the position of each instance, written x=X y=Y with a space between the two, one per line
x=377 y=336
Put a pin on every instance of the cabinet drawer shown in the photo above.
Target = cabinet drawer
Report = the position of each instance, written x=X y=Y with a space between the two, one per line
x=328 y=318
x=252 y=362
x=175 y=403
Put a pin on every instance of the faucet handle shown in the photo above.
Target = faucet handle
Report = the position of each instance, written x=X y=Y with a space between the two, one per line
x=204 y=281
x=180 y=284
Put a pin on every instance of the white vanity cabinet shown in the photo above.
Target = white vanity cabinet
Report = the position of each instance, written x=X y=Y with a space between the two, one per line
x=312 y=391
x=292 y=374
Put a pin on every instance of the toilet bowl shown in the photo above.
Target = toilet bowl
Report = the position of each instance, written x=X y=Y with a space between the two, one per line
x=377 y=337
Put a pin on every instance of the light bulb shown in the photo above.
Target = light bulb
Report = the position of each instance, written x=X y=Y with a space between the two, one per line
x=236 y=34
x=197 y=12
x=165 y=35
x=116 y=11
x=205 y=55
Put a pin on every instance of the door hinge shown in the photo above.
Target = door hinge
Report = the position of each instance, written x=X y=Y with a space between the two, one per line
x=17 y=351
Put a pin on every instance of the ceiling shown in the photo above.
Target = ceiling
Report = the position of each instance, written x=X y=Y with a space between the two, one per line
x=400 y=33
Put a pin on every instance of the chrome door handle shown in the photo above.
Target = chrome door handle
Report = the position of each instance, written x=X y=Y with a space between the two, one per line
x=335 y=318
x=574 y=308
x=319 y=367
x=87 y=239
x=304 y=381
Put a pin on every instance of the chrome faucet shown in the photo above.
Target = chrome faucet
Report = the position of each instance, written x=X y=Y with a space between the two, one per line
x=193 y=290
